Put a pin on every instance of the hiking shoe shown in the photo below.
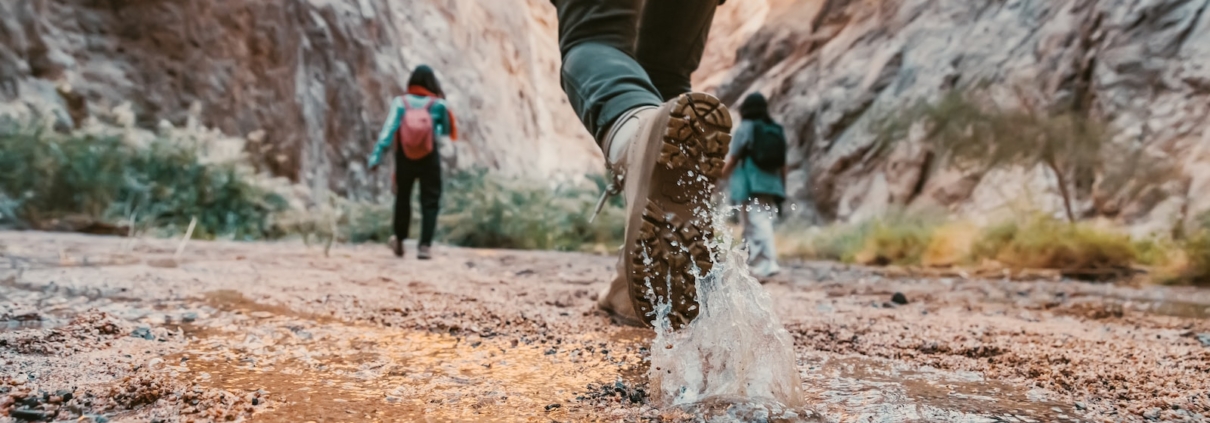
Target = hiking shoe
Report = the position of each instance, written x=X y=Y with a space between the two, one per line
x=615 y=301
x=396 y=246
x=667 y=172
x=424 y=252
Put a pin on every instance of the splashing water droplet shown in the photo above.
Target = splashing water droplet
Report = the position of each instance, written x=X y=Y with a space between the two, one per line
x=736 y=353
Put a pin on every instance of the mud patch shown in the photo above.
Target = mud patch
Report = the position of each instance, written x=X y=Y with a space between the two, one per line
x=331 y=371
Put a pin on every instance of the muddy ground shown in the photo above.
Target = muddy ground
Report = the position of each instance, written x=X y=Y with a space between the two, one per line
x=110 y=329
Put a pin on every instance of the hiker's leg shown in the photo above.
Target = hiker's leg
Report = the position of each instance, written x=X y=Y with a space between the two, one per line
x=672 y=37
x=745 y=222
x=600 y=75
x=430 y=197
x=666 y=155
x=761 y=248
x=403 y=203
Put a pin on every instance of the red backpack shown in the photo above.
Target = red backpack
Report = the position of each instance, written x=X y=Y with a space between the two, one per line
x=415 y=134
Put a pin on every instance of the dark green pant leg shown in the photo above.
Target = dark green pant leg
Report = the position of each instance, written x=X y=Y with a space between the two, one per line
x=672 y=37
x=600 y=75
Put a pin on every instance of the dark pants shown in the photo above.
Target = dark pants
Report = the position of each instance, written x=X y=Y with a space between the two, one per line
x=622 y=54
x=428 y=171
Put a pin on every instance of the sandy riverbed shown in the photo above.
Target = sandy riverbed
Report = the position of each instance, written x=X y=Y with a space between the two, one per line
x=113 y=329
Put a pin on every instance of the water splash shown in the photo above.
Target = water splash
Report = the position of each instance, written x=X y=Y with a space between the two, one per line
x=735 y=361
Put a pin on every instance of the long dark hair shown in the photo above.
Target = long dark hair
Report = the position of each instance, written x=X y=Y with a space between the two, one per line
x=424 y=77
x=755 y=107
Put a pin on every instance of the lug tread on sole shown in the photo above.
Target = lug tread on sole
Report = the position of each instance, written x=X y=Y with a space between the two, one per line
x=696 y=142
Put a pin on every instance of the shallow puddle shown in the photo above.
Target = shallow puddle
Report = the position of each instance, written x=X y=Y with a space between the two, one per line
x=335 y=372
x=869 y=390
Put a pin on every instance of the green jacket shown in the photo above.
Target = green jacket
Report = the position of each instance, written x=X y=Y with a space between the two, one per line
x=749 y=179
x=442 y=122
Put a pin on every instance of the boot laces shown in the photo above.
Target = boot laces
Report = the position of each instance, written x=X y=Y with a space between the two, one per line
x=613 y=188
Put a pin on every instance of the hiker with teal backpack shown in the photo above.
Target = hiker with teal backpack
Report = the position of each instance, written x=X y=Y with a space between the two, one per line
x=757 y=169
x=415 y=122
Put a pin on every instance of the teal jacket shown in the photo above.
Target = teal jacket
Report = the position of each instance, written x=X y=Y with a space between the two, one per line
x=749 y=179
x=442 y=122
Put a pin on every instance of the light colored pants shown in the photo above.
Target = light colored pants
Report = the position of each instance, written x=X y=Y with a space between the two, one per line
x=757 y=216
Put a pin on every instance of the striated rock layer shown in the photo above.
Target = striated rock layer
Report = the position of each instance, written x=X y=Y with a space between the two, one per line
x=314 y=75
x=832 y=66
x=308 y=81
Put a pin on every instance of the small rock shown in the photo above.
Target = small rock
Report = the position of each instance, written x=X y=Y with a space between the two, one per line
x=142 y=332
x=189 y=317
x=29 y=401
x=1080 y=406
x=553 y=406
x=1204 y=338
x=28 y=415
x=1152 y=414
x=899 y=298
x=65 y=394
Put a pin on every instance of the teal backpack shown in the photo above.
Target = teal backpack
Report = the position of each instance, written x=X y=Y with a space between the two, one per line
x=768 y=147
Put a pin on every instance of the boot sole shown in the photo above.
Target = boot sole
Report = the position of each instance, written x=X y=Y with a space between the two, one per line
x=671 y=247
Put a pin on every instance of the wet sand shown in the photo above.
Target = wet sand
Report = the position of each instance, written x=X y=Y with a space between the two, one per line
x=98 y=328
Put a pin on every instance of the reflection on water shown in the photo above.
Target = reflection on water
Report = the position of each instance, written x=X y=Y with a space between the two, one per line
x=870 y=390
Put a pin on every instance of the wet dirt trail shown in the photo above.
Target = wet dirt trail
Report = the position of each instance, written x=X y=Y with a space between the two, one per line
x=110 y=329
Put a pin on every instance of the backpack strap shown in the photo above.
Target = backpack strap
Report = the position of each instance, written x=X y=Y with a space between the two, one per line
x=432 y=102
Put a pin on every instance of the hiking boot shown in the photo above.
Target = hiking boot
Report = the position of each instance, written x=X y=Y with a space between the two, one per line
x=424 y=252
x=666 y=166
x=616 y=302
x=396 y=246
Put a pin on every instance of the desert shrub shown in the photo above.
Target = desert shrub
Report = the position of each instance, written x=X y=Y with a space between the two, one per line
x=485 y=210
x=835 y=242
x=46 y=176
x=1046 y=243
x=950 y=245
x=1197 y=252
x=1191 y=266
x=898 y=238
x=972 y=134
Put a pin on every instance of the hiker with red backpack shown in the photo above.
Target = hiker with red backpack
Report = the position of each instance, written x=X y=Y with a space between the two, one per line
x=415 y=122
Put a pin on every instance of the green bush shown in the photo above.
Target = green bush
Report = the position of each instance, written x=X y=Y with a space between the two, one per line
x=1197 y=252
x=898 y=238
x=47 y=176
x=902 y=241
x=478 y=209
x=1047 y=243
x=1193 y=268
x=484 y=210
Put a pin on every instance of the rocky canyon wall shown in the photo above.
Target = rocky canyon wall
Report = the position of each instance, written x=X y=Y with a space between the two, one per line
x=309 y=80
x=832 y=66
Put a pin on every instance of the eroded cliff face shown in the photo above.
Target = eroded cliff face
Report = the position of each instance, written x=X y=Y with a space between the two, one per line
x=831 y=66
x=308 y=80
